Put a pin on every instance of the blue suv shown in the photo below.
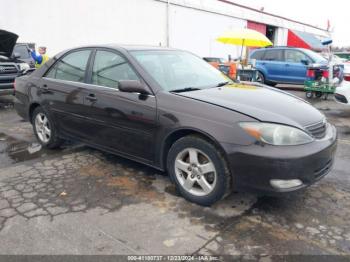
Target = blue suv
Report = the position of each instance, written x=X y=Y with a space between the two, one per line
x=284 y=65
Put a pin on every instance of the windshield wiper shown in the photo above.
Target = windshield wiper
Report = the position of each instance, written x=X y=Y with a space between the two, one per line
x=186 y=89
x=223 y=83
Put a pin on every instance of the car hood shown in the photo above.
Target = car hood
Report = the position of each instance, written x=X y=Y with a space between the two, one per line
x=260 y=102
x=7 y=42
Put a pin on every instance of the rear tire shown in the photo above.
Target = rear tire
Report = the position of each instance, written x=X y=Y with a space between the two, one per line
x=44 y=129
x=271 y=84
x=199 y=170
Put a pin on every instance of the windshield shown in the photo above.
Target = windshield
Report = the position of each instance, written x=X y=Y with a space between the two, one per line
x=22 y=51
x=315 y=56
x=175 y=70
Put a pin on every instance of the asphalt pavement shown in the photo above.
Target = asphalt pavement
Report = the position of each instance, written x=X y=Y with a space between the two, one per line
x=78 y=200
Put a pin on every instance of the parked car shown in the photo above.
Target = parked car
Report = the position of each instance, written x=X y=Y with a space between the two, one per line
x=346 y=64
x=342 y=93
x=171 y=110
x=218 y=60
x=284 y=65
x=345 y=55
x=10 y=64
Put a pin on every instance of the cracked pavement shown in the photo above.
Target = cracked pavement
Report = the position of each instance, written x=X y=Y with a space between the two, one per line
x=82 y=201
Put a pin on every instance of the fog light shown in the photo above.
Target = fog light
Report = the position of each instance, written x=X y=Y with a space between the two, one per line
x=284 y=184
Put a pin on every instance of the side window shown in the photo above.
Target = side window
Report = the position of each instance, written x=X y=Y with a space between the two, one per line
x=258 y=55
x=293 y=56
x=109 y=68
x=273 y=55
x=71 y=67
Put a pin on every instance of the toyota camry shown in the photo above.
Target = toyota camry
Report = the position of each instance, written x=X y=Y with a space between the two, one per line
x=171 y=110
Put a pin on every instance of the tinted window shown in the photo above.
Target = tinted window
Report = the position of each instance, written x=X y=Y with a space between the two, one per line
x=71 y=67
x=273 y=55
x=294 y=56
x=22 y=51
x=258 y=55
x=109 y=68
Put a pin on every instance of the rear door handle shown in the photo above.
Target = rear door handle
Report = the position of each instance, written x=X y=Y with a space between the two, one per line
x=91 y=97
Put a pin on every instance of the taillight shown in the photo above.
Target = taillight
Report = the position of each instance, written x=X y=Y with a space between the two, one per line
x=310 y=73
x=325 y=74
x=347 y=78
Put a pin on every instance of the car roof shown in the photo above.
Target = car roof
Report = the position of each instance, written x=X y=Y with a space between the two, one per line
x=279 y=48
x=126 y=47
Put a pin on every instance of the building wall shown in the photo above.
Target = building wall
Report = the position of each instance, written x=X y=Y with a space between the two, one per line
x=61 y=24
x=193 y=25
x=197 y=31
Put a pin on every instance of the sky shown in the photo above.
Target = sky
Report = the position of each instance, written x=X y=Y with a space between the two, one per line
x=315 y=12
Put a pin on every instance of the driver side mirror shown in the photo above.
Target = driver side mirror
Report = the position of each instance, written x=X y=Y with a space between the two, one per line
x=133 y=86
x=304 y=61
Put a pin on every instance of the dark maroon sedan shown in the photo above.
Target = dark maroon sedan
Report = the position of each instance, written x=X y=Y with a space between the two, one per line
x=171 y=110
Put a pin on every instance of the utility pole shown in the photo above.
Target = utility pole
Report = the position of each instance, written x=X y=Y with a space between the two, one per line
x=168 y=24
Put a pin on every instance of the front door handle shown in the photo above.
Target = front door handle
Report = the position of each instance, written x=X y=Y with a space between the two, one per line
x=45 y=88
x=91 y=97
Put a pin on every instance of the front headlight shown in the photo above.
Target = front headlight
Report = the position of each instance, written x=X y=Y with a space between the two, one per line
x=24 y=67
x=275 y=134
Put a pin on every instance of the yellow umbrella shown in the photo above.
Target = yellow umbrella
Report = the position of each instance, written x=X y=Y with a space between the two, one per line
x=244 y=37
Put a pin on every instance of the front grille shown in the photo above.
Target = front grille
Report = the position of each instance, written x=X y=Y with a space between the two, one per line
x=317 y=130
x=341 y=98
x=8 y=69
x=324 y=170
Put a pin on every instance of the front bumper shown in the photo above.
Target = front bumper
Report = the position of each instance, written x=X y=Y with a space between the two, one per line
x=253 y=167
x=6 y=84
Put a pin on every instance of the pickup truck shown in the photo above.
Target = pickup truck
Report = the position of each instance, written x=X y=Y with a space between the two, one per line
x=11 y=65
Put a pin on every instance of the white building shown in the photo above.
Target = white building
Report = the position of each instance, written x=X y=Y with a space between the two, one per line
x=186 y=24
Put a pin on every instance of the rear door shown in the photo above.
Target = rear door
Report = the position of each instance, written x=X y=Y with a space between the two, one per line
x=295 y=68
x=61 y=92
x=273 y=64
x=119 y=121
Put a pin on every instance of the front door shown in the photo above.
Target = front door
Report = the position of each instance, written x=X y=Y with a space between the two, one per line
x=123 y=122
x=295 y=67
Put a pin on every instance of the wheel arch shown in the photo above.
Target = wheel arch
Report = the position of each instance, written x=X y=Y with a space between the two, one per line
x=180 y=133
x=32 y=107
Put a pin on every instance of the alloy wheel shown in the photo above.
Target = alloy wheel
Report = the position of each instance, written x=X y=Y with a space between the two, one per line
x=195 y=172
x=42 y=127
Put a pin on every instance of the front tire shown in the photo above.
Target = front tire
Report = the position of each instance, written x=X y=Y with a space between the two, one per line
x=198 y=170
x=260 y=78
x=44 y=129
